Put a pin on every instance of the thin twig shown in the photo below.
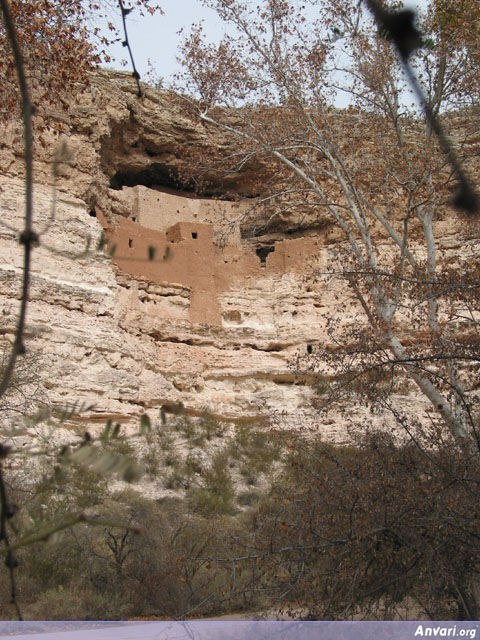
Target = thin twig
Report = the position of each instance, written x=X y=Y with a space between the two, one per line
x=399 y=27
x=28 y=238
x=50 y=530
x=126 y=43
x=10 y=560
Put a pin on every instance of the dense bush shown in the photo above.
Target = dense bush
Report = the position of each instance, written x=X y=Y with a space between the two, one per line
x=370 y=530
x=374 y=530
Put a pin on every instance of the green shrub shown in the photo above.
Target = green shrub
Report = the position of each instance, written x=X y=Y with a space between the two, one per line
x=211 y=426
x=248 y=474
x=208 y=503
x=121 y=446
x=187 y=427
x=257 y=448
x=217 y=493
x=248 y=498
x=193 y=465
x=175 y=479
x=172 y=459
x=151 y=461
x=71 y=487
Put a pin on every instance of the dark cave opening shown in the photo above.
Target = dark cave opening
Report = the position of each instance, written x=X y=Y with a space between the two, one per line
x=154 y=176
x=159 y=175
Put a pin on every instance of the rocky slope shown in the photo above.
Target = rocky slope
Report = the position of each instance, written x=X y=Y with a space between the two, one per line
x=214 y=322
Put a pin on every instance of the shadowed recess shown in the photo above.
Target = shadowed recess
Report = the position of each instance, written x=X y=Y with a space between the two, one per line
x=155 y=175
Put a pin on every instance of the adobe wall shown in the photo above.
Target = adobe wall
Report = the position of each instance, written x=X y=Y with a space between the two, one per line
x=161 y=209
x=288 y=256
x=184 y=256
x=185 y=253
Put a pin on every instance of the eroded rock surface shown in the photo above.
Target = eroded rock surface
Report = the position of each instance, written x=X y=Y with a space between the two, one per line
x=185 y=310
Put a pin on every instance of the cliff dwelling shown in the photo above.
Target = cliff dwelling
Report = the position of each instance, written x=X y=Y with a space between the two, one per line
x=203 y=252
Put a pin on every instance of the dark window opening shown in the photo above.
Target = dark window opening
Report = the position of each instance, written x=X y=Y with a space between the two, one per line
x=194 y=235
x=309 y=348
x=134 y=219
x=92 y=213
x=130 y=243
x=262 y=253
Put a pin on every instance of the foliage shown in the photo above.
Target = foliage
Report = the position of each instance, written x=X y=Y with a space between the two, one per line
x=94 y=573
x=60 y=42
x=256 y=448
x=373 y=530
x=217 y=493
x=364 y=531
x=25 y=393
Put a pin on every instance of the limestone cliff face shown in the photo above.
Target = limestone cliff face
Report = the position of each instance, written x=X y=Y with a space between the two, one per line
x=185 y=310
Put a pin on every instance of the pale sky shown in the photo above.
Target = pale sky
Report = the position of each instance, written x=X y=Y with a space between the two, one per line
x=156 y=37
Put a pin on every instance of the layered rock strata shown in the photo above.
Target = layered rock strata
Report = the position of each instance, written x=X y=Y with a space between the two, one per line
x=178 y=309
